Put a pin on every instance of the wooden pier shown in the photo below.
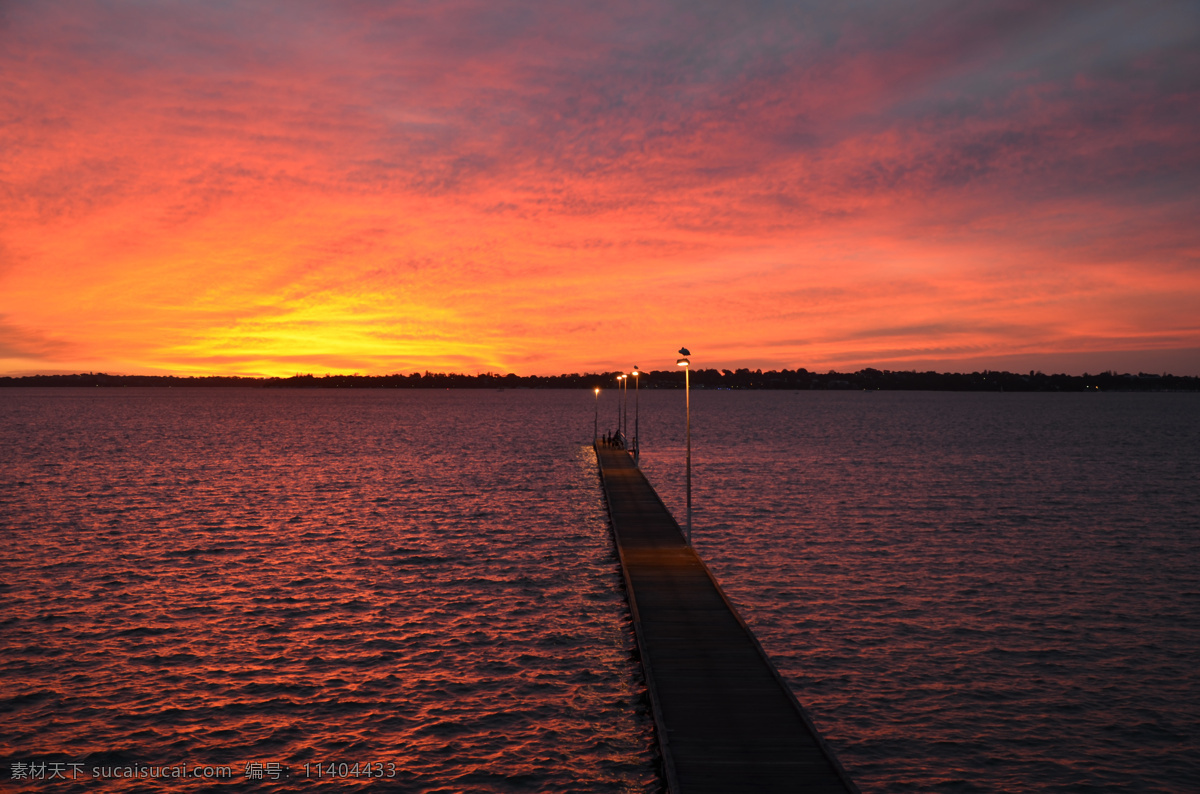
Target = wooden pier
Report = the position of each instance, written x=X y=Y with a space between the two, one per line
x=726 y=720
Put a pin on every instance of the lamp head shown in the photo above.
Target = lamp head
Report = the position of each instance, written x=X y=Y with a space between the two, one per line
x=683 y=362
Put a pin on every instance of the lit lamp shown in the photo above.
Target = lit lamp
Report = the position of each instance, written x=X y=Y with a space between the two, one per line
x=625 y=410
x=687 y=396
x=596 y=418
x=619 y=379
x=637 y=415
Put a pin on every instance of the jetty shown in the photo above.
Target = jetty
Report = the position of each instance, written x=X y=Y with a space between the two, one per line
x=726 y=720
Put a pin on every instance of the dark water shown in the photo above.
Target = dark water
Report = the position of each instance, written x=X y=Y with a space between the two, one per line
x=968 y=592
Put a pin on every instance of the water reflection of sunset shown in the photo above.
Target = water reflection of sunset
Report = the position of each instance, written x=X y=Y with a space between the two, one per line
x=237 y=189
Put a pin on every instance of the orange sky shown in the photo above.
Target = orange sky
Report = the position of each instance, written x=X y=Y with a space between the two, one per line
x=375 y=187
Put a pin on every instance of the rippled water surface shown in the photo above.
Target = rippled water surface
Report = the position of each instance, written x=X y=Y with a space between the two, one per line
x=238 y=576
x=969 y=592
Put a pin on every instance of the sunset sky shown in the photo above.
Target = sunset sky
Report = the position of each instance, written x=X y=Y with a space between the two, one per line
x=271 y=188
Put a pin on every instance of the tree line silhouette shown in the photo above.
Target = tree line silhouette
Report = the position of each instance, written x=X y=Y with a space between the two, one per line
x=798 y=379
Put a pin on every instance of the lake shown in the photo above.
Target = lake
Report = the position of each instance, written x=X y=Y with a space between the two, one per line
x=968 y=592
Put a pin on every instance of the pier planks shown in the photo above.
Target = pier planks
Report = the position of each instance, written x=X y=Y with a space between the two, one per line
x=726 y=721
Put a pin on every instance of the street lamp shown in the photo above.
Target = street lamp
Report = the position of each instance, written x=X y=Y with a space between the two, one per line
x=637 y=415
x=619 y=379
x=625 y=399
x=596 y=418
x=687 y=392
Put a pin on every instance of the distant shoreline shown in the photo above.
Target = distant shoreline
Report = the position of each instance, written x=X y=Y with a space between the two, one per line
x=708 y=379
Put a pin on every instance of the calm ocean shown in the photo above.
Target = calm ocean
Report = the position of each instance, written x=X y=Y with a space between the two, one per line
x=968 y=592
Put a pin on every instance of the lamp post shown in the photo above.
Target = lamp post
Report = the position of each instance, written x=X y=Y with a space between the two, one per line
x=637 y=415
x=596 y=418
x=619 y=379
x=687 y=396
x=625 y=400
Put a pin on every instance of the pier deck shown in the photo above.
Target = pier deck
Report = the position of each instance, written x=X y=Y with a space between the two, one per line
x=726 y=721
